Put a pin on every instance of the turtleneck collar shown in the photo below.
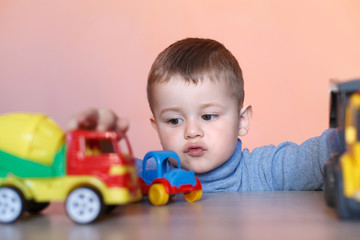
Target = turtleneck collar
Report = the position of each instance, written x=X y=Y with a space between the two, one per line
x=220 y=177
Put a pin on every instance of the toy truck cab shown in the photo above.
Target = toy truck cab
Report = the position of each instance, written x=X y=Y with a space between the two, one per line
x=98 y=154
x=87 y=169
x=162 y=183
x=342 y=172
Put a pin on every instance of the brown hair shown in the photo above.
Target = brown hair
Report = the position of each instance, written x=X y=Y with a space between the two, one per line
x=194 y=58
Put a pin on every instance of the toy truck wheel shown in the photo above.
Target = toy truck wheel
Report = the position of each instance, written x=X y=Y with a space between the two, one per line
x=330 y=183
x=11 y=204
x=341 y=201
x=84 y=205
x=158 y=195
x=193 y=196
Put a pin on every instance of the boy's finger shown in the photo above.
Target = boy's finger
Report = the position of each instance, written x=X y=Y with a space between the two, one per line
x=72 y=124
x=106 y=120
x=89 y=119
x=86 y=119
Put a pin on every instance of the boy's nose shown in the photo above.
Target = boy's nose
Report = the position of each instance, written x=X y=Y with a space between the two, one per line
x=193 y=130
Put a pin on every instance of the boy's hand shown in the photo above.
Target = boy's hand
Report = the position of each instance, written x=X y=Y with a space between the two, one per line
x=98 y=119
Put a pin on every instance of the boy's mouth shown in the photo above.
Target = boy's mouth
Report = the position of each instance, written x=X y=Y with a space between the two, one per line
x=195 y=150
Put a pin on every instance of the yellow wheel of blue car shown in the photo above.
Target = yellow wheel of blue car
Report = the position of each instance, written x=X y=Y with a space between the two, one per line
x=193 y=196
x=158 y=195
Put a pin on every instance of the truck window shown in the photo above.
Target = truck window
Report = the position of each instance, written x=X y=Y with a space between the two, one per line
x=150 y=169
x=124 y=147
x=96 y=147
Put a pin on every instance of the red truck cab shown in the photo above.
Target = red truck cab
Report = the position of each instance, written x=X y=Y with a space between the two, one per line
x=99 y=154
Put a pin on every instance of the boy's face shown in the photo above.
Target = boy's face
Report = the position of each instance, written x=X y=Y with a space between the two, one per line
x=199 y=122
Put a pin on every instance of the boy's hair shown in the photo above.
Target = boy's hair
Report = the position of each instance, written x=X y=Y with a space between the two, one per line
x=194 y=58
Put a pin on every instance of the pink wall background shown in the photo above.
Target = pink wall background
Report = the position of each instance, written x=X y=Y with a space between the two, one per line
x=59 y=57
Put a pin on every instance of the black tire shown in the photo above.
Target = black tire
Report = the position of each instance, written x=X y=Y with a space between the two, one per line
x=36 y=207
x=330 y=183
x=11 y=204
x=109 y=208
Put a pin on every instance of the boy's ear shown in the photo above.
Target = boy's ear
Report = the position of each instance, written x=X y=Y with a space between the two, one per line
x=153 y=123
x=246 y=113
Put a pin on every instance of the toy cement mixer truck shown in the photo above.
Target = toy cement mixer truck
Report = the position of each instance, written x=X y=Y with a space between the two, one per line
x=39 y=163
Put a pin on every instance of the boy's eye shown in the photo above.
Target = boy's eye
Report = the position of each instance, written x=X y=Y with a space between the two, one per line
x=208 y=117
x=174 y=121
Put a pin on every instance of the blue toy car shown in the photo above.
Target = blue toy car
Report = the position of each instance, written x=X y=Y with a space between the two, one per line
x=162 y=183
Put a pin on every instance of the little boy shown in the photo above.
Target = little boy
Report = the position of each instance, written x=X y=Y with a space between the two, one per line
x=196 y=92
